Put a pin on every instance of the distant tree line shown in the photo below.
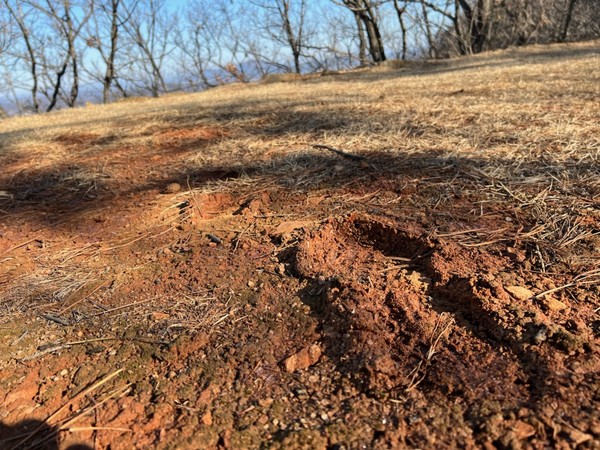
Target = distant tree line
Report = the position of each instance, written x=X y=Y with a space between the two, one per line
x=53 y=50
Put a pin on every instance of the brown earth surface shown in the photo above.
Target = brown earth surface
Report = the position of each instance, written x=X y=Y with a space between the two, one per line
x=192 y=273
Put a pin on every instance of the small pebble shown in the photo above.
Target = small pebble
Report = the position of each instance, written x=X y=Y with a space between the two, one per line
x=265 y=402
x=172 y=188
x=207 y=418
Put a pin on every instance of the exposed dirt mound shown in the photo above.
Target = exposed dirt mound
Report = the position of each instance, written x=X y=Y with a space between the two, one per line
x=401 y=310
x=382 y=287
x=376 y=322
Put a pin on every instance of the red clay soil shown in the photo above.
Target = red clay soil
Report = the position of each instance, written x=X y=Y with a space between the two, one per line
x=279 y=318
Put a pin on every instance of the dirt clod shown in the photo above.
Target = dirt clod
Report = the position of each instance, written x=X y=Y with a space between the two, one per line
x=553 y=304
x=520 y=292
x=303 y=359
x=207 y=418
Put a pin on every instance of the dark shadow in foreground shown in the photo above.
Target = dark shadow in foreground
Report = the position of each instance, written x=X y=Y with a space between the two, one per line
x=32 y=434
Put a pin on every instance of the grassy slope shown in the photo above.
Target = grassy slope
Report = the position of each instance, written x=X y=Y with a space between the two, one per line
x=505 y=143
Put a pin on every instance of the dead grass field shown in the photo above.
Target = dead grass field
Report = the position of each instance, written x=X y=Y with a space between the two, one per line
x=202 y=271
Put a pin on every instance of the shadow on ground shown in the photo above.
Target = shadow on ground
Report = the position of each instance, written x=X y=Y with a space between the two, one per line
x=32 y=435
x=61 y=194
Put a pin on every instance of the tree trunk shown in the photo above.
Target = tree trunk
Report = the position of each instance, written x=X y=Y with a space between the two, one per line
x=362 y=40
x=568 y=16
x=70 y=35
x=460 y=40
x=430 y=41
x=109 y=75
x=400 y=12
x=477 y=18
x=293 y=40
x=56 y=90
x=158 y=82
x=375 y=41
x=363 y=11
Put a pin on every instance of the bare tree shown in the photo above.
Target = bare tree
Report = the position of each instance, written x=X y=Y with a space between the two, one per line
x=9 y=85
x=233 y=44
x=428 y=31
x=337 y=36
x=362 y=38
x=229 y=40
x=584 y=22
x=477 y=17
x=366 y=12
x=150 y=28
x=218 y=43
x=135 y=44
x=480 y=25
x=23 y=19
x=401 y=12
x=104 y=35
x=7 y=32
x=428 y=20
x=193 y=40
x=66 y=18
x=285 y=23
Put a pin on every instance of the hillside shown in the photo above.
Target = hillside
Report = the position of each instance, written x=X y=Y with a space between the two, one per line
x=401 y=257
